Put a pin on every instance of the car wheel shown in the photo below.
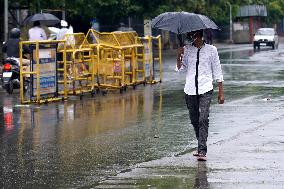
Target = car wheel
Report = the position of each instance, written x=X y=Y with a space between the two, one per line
x=254 y=47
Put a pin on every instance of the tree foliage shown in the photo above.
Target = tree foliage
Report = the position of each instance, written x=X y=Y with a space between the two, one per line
x=112 y=11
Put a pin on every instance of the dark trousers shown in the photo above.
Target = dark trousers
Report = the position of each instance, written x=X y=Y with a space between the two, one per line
x=198 y=107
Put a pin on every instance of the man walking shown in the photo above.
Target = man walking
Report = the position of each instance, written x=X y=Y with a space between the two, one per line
x=202 y=64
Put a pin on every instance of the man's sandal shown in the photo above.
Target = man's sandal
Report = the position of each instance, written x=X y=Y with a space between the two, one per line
x=195 y=153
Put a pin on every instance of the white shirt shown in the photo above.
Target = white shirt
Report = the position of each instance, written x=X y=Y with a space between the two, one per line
x=209 y=68
x=61 y=34
x=37 y=34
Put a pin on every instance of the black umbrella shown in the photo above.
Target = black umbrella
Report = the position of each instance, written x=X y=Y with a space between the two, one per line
x=44 y=18
x=182 y=22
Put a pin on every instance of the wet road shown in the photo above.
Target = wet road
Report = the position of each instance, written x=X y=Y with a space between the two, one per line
x=142 y=138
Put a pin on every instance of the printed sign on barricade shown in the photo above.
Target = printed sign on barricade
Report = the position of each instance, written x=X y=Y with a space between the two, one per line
x=152 y=57
x=148 y=56
x=48 y=72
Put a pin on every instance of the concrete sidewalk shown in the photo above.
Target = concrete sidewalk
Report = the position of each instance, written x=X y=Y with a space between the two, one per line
x=251 y=159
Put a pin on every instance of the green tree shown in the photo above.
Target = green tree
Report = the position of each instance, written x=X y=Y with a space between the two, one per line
x=275 y=11
x=110 y=12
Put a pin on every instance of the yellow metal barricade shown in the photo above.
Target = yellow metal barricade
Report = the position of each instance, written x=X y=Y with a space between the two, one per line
x=157 y=58
x=81 y=65
x=134 y=62
x=116 y=57
x=152 y=58
x=41 y=79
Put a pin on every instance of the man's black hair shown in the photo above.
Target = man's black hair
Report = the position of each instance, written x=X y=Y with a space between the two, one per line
x=198 y=31
x=36 y=23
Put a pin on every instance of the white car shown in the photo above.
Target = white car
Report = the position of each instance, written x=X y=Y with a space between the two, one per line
x=265 y=37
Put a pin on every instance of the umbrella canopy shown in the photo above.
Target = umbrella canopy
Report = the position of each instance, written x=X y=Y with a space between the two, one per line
x=182 y=22
x=44 y=18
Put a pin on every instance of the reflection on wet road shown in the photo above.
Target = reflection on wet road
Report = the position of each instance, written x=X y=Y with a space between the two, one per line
x=82 y=142
x=86 y=140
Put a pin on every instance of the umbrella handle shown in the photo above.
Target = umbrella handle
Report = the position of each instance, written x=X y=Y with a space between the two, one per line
x=180 y=40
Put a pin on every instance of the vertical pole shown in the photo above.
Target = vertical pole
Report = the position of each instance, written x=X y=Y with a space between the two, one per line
x=74 y=73
x=143 y=63
x=93 y=69
x=18 y=13
x=133 y=61
x=123 y=68
x=65 y=70
x=63 y=11
x=160 y=57
x=21 y=74
x=250 y=29
x=231 y=24
x=6 y=20
x=63 y=15
x=129 y=22
x=98 y=64
x=37 y=73
x=103 y=64
x=151 y=63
